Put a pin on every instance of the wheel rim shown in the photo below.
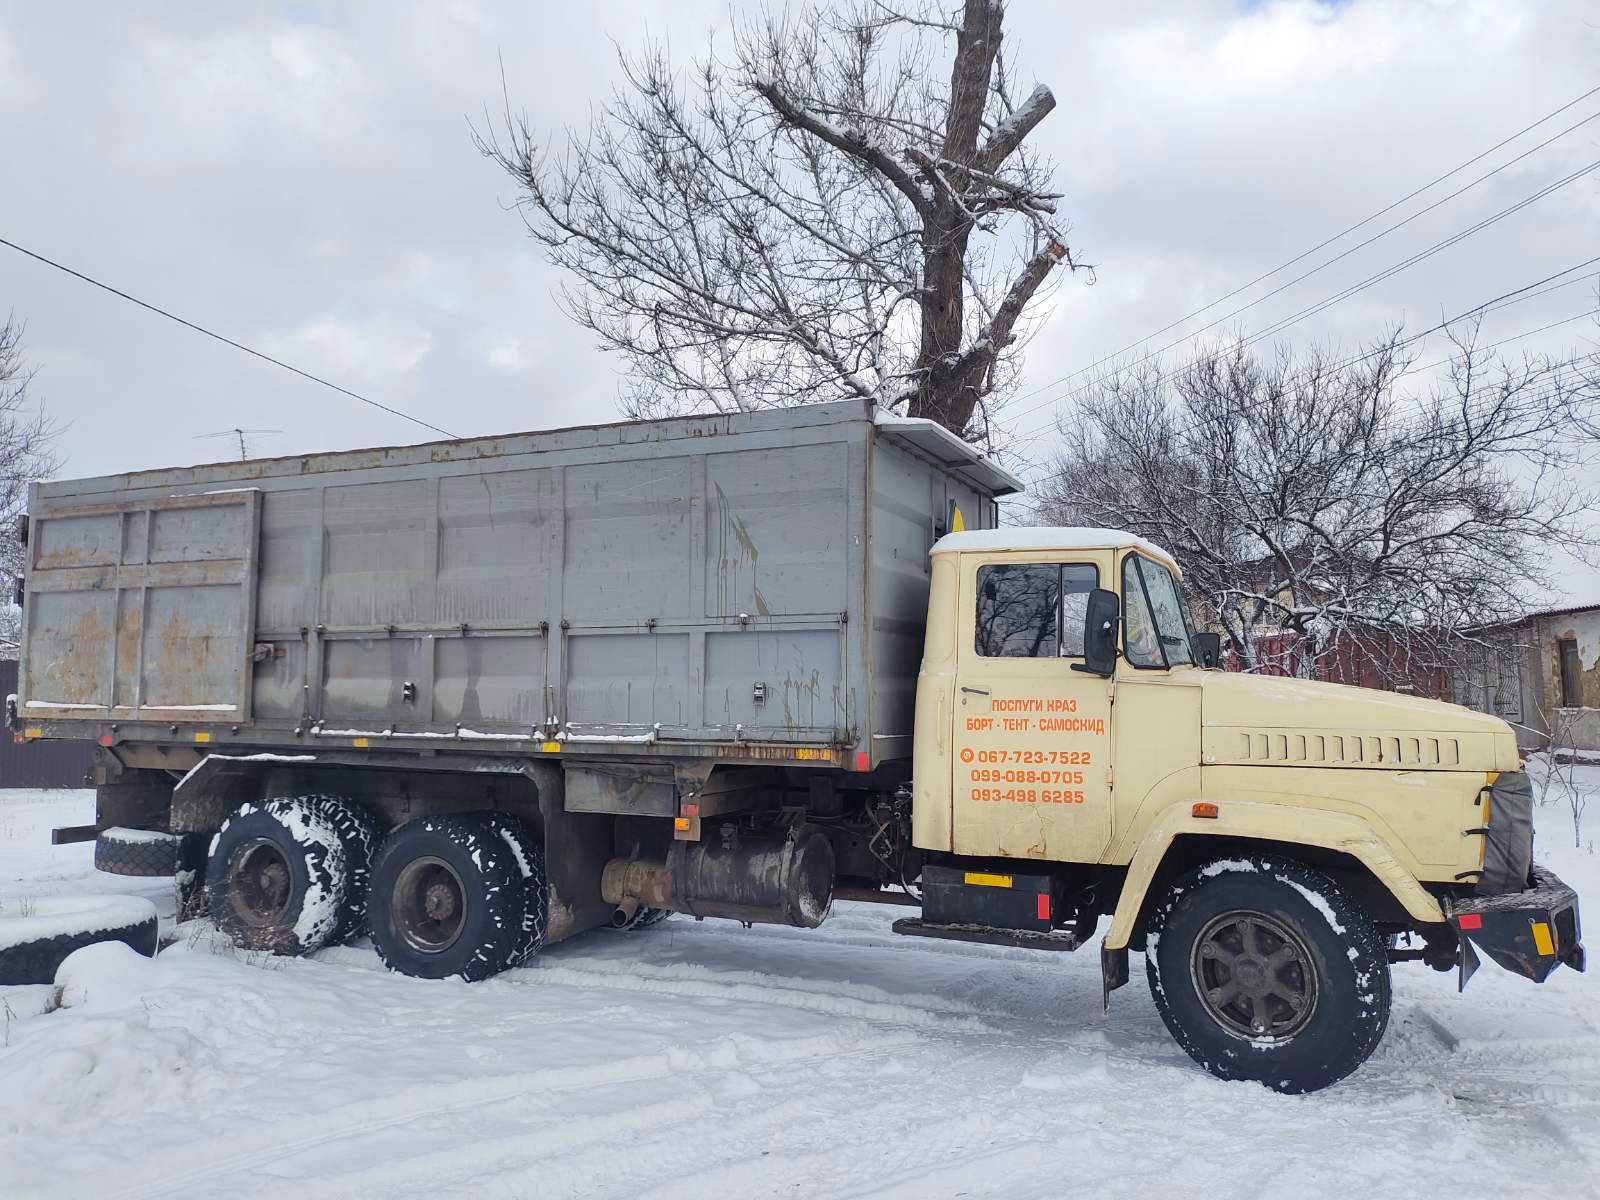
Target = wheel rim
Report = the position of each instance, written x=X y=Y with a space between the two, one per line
x=261 y=884
x=429 y=905
x=1254 y=976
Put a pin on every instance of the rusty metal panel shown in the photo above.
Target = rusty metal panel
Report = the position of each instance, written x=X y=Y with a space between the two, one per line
x=141 y=609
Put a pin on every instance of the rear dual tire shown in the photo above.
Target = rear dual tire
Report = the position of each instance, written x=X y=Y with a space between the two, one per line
x=457 y=896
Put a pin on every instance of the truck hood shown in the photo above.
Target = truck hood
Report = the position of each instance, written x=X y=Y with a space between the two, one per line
x=1257 y=718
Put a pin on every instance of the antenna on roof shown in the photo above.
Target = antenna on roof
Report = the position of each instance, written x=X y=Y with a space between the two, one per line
x=242 y=436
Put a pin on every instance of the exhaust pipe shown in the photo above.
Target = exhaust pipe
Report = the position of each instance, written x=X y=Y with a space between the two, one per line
x=765 y=881
x=627 y=908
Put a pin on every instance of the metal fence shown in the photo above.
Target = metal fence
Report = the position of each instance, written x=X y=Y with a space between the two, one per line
x=51 y=764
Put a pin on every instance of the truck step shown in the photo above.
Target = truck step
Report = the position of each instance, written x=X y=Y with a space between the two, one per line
x=1026 y=939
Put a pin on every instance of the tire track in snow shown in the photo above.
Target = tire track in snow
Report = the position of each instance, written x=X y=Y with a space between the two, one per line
x=832 y=997
x=260 y=1146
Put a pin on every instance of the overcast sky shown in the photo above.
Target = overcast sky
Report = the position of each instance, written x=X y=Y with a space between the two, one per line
x=302 y=177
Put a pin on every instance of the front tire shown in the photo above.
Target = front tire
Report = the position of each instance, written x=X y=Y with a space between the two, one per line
x=447 y=898
x=1264 y=969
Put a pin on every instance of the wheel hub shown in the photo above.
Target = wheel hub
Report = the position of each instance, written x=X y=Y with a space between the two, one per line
x=1255 y=976
x=261 y=883
x=428 y=905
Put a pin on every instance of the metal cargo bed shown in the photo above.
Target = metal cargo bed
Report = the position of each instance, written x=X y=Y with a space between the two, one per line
x=743 y=586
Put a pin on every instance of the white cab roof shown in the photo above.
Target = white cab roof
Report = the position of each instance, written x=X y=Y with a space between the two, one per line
x=1046 y=537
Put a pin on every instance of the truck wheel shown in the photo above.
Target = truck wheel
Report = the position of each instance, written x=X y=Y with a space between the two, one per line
x=360 y=838
x=1264 y=969
x=529 y=855
x=447 y=898
x=276 y=876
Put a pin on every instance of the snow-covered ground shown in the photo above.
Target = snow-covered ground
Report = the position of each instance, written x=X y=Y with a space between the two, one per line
x=703 y=1060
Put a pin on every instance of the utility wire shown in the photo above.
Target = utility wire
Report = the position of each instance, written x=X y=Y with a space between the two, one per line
x=1348 y=230
x=227 y=341
x=1347 y=292
x=1502 y=300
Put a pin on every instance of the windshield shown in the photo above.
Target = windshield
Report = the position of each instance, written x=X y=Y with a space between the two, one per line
x=1156 y=628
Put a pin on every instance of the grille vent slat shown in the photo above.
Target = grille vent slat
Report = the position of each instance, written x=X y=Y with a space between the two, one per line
x=1347 y=749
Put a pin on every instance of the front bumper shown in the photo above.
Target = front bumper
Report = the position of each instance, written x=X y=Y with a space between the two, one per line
x=1529 y=933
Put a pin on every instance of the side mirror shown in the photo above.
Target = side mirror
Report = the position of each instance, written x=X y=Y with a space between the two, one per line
x=1101 y=615
x=1208 y=650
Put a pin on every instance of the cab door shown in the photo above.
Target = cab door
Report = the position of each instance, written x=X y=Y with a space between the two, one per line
x=1031 y=768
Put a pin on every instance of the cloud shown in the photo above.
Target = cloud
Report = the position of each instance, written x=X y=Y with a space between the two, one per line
x=508 y=355
x=352 y=350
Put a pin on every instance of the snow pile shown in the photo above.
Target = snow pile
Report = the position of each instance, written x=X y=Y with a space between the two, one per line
x=103 y=975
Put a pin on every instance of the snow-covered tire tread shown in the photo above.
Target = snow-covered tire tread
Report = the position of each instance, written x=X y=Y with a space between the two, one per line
x=529 y=853
x=312 y=844
x=360 y=836
x=1353 y=978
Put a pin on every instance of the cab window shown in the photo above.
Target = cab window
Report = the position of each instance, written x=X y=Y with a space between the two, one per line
x=1155 y=625
x=1033 y=610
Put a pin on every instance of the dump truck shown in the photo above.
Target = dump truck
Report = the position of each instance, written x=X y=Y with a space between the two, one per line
x=473 y=697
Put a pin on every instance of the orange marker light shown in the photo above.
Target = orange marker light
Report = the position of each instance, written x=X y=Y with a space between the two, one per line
x=1204 y=809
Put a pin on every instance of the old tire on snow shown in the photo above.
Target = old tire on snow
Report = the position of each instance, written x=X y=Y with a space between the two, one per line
x=36 y=935
x=529 y=854
x=148 y=853
x=276 y=876
x=447 y=898
x=1265 y=969
x=360 y=838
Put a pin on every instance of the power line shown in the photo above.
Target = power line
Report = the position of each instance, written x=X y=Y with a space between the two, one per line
x=1348 y=230
x=1506 y=300
x=1347 y=292
x=1429 y=252
x=227 y=341
x=1502 y=300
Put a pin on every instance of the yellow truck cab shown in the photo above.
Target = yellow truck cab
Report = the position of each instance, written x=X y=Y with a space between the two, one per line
x=1266 y=841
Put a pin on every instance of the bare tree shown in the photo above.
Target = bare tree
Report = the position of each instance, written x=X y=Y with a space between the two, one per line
x=1319 y=500
x=1564 y=760
x=816 y=217
x=26 y=435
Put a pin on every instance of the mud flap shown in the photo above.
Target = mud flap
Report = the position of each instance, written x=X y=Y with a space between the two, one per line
x=1113 y=971
x=1467 y=963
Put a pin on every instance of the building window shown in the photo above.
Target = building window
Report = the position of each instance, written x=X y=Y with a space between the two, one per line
x=1571 y=673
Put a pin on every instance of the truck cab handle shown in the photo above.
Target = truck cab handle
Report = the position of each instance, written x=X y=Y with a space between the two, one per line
x=972 y=691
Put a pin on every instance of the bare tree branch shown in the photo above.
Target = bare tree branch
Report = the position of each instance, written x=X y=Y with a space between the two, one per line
x=26 y=435
x=807 y=216
x=1312 y=502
